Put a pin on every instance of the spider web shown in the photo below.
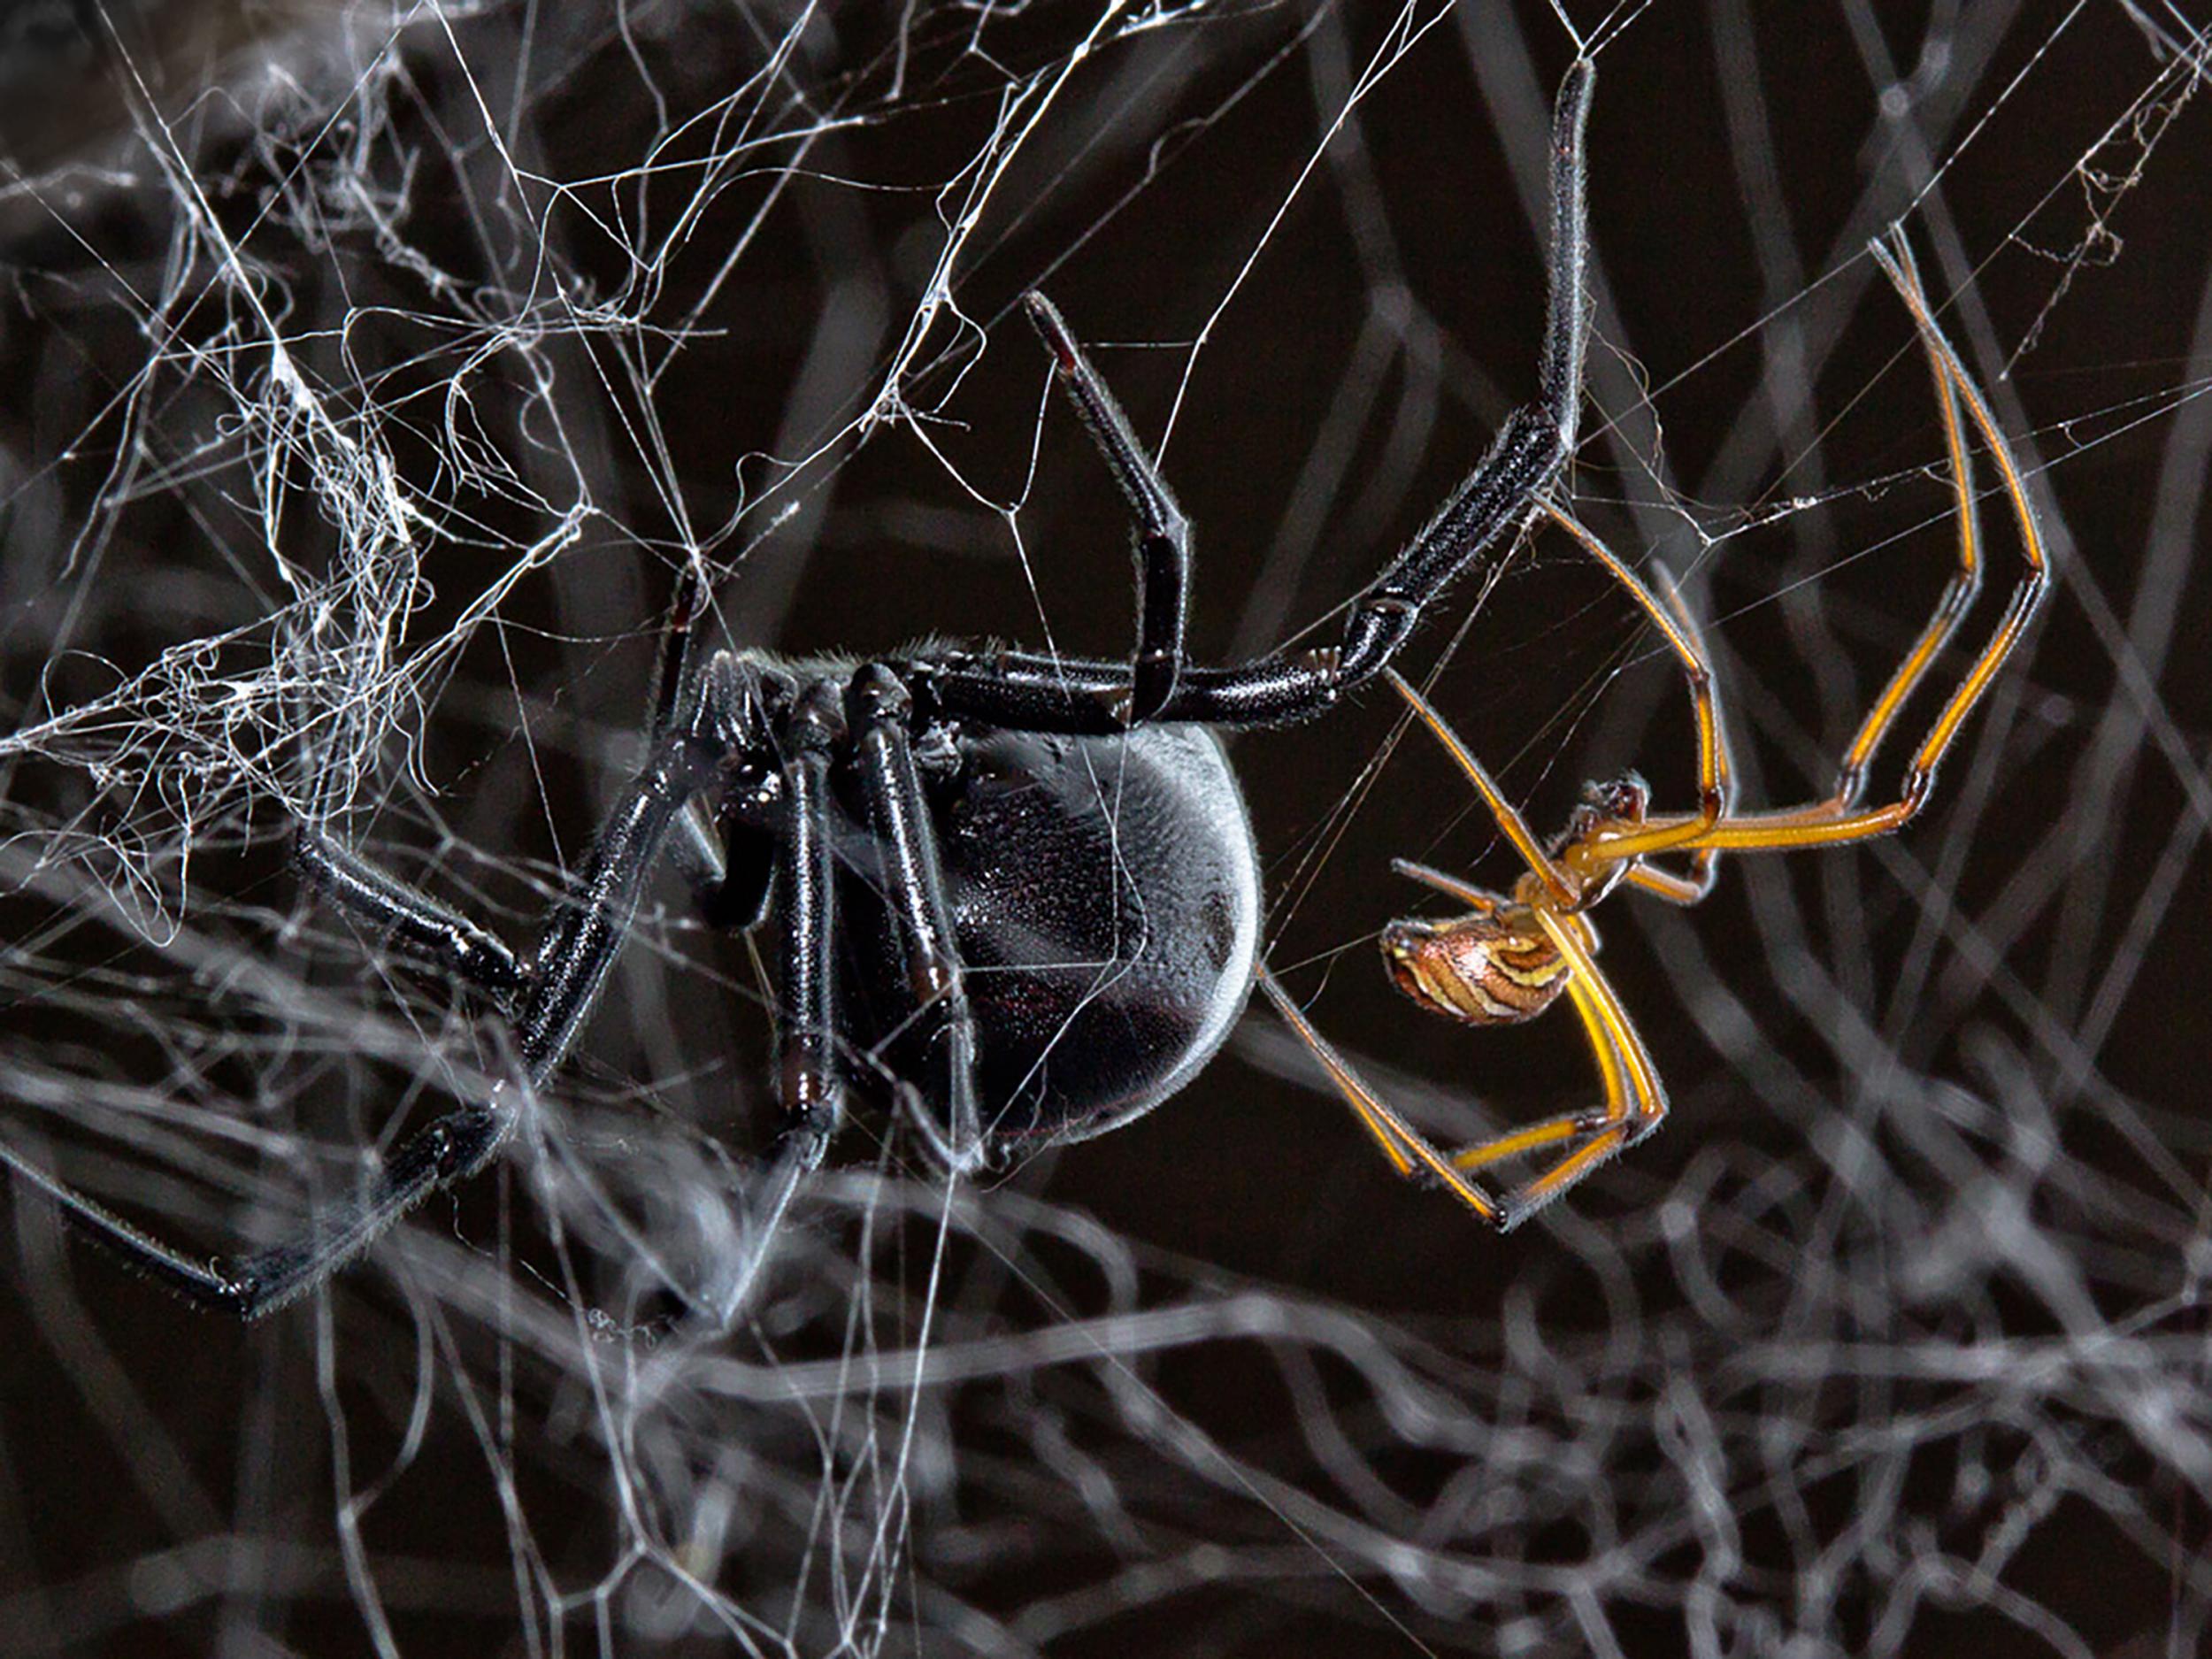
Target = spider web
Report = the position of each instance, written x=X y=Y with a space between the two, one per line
x=374 y=375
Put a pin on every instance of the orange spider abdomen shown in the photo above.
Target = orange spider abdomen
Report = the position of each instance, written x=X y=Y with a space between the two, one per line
x=1494 y=967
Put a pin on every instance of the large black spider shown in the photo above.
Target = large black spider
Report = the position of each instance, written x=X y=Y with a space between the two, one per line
x=1040 y=871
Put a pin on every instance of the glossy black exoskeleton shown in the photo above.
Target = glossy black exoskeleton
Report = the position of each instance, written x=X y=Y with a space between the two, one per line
x=1048 y=895
x=1105 y=902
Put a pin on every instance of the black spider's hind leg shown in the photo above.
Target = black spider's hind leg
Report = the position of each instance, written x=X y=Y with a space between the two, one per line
x=1504 y=492
x=1508 y=487
x=915 y=889
x=1163 y=548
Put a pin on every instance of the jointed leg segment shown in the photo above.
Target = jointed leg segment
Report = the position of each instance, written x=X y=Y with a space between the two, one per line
x=1037 y=692
x=1838 y=818
x=551 y=995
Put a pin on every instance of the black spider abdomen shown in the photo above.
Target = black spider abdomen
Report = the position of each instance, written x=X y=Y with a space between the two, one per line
x=1106 y=895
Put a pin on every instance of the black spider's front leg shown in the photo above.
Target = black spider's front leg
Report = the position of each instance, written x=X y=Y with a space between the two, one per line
x=1035 y=691
x=566 y=972
x=448 y=1150
x=1163 y=532
x=809 y=1082
x=412 y=918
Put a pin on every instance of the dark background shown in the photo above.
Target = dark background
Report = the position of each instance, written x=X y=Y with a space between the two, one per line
x=1892 y=1343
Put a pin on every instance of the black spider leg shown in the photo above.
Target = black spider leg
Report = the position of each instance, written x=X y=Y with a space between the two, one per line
x=1037 y=692
x=1163 y=545
x=914 y=887
x=571 y=964
x=810 y=1075
x=464 y=948
x=694 y=845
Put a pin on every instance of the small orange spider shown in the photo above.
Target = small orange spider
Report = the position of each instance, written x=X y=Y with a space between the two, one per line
x=1510 y=957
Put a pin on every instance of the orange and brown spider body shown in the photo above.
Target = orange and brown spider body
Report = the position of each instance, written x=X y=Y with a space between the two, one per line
x=1493 y=966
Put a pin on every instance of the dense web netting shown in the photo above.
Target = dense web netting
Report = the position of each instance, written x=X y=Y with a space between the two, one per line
x=373 y=376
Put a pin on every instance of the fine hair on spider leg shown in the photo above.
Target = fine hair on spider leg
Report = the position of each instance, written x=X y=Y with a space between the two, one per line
x=1072 y=824
x=1512 y=955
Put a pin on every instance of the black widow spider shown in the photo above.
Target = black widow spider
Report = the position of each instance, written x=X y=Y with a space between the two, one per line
x=1028 y=882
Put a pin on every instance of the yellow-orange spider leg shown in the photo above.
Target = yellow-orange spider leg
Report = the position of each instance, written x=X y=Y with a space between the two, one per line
x=1407 y=1149
x=1636 y=1101
x=1829 y=823
x=1679 y=631
x=1958 y=598
x=1567 y=1126
x=1510 y=823
x=1467 y=893
x=1692 y=886
x=1677 y=889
